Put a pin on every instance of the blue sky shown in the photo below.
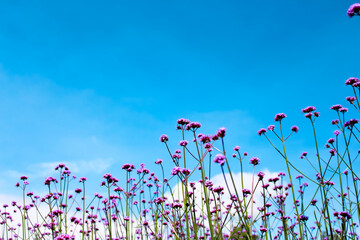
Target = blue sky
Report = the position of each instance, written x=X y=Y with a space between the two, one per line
x=95 y=84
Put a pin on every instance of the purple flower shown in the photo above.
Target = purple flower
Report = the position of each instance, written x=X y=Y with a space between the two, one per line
x=236 y=148
x=82 y=179
x=164 y=138
x=336 y=132
x=336 y=107
x=261 y=131
x=335 y=122
x=221 y=132
x=255 y=161
x=308 y=109
x=261 y=175
x=271 y=127
x=78 y=190
x=351 y=123
x=186 y=171
x=192 y=126
x=183 y=143
x=175 y=170
x=350 y=99
x=23 y=178
x=303 y=155
x=159 y=161
x=183 y=121
x=295 y=129
x=343 y=110
x=353 y=9
x=279 y=117
x=205 y=139
x=220 y=159
x=352 y=80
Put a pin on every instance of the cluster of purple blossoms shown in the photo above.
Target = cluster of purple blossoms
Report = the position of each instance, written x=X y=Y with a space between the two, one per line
x=352 y=80
x=220 y=159
x=353 y=10
x=254 y=161
x=193 y=126
x=279 y=117
x=164 y=138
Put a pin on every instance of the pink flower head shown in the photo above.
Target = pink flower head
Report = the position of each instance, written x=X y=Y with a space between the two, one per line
x=183 y=121
x=82 y=179
x=353 y=9
x=23 y=178
x=164 y=138
x=193 y=126
x=220 y=159
x=255 y=161
x=335 y=122
x=295 y=129
x=343 y=110
x=308 y=109
x=271 y=127
x=261 y=131
x=221 y=132
x=336 y=107
x=350 y=99
x=236 y=148
x=205 y=139
x=159 y=161
x=279 y=117
x=352 y=80
x=183 y=143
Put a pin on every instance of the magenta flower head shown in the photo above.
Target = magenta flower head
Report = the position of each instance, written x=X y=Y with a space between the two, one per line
x=193 y=126
x=350 y=99
x=183 y=121
x=254 y=161
x=279 y=117
x=23 y=178
x=261 y=175
x=183 y=143
x=220 y=159
x=261 y=131
x=221 y=132
x=352 y=80
x=308 y=115
x=343 y=110
x=304 y=154
x=82 y=179
x=308 y=109
x=335 y=122
x=353 y=9
x=336 y=132
x=236 y=148
x=271 y=127
x=164 y=138
x=295 y=129
x=336 y=107
x=159 y=161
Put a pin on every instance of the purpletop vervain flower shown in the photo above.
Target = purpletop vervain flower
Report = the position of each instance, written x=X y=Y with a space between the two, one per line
x=279 y=117
x=164 y=138
x=255 y=161
x=350 y=99
x=308 y=109
x=353 y=9
x=183 y=143
x=351 y=81
x=295 y=129
x=219 y=158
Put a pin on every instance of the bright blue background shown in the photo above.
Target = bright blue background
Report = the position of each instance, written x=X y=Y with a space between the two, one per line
x=99 y=82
